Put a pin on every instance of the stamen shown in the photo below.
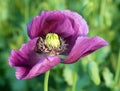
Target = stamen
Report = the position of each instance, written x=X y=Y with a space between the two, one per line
x=52 y=45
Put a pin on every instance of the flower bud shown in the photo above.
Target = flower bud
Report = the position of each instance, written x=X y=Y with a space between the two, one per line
x=93 y=72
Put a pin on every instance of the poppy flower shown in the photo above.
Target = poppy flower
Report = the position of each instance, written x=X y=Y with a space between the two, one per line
x=53 y=33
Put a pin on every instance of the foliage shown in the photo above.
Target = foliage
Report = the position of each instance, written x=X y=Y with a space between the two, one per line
x=103 y=17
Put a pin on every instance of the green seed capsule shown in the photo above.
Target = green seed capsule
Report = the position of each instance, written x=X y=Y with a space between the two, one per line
x=52 y=40
x=93 y=72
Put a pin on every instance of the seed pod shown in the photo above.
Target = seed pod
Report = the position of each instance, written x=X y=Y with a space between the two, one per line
x=108 y=77
x=93 y=72
x=52 y=40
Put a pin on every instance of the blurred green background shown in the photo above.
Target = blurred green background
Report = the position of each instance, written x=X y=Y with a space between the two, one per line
x=99 y=71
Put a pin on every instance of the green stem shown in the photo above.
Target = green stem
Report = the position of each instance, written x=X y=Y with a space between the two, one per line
x=46 y=81
x=117 y=73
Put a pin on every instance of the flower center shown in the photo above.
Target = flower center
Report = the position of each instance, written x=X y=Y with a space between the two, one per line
x=52 y=45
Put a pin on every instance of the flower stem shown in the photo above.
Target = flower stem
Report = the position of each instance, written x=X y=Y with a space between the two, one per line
x=46 y=81
x=117 y=73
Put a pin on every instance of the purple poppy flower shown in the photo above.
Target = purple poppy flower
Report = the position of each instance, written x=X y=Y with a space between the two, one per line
x=52 y=33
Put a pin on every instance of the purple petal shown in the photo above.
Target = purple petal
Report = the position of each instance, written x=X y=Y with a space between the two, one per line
x=65 y=23
x=44 y=23
x=79 y=23
x=64 y=29
x=40 y=67
x=35 y=27
x=29 y=63
x=83 y=47
x=24 y=56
